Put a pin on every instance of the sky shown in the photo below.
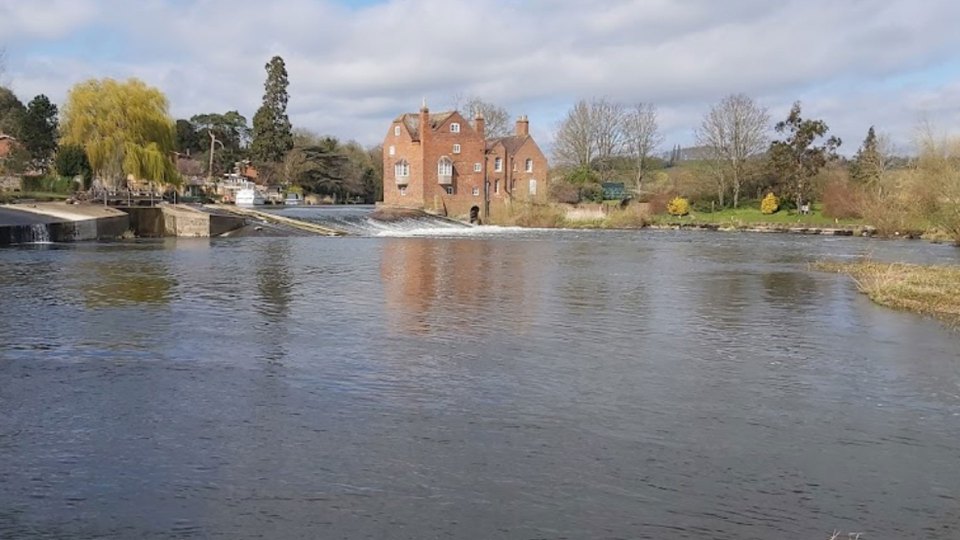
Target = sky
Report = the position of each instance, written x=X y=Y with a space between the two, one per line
x=356 y=65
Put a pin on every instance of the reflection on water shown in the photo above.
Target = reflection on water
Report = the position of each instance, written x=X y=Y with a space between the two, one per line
x=541 y=384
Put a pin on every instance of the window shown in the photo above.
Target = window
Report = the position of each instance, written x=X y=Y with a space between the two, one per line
x=401 y=169
x=496 y=186
x=456 y=149
x=393 y=150
x=498 y=164
x=477 y=167
x=403 y=191
x=449 y=189
x=396 y=130
x=529 y=165
x=445 y=167
x=476 y=191
x=533 y=187
x=454 y=128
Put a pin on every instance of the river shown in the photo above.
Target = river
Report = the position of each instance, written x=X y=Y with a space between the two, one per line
x=487 y=383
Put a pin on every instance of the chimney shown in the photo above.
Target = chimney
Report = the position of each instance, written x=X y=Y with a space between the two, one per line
x=523 y=126
x=480 y=124
x=424 y=121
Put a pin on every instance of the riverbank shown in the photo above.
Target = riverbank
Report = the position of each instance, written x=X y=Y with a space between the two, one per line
x=933 y=291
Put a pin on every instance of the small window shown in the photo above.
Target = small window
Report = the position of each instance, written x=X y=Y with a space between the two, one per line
x=396 y=130
x=496 y=186
x=393 y=150
x=445 y=167
x=456 y=149
x=403 y=191
x=498 y=164
x=454 y=128
x=477 y=167
x=476 y=191
x=449 y=189
x=529 y=165
x=533 y=187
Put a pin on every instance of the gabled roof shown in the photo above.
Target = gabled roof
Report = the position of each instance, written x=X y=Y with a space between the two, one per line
x=412 y=121
x=510 y=144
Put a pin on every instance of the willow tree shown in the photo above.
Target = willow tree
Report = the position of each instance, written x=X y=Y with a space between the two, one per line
x=124 y=128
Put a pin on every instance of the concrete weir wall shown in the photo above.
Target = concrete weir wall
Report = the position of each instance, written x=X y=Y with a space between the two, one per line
x=59 y=222
x=180 y=221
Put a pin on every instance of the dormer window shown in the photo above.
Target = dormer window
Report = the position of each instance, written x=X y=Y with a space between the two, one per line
x=528 y=165
x=396 y=131
x=456 y=149
x=454 y=127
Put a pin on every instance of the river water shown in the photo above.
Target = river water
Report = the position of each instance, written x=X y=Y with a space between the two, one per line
x=488 y=383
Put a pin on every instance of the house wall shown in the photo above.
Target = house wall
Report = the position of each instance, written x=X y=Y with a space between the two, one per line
x=440 y=143
x=404 y=148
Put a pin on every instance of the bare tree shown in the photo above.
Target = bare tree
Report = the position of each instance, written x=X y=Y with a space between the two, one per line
x=496 y=118
x=642 y=136
x=608 y=122
x=575 y=142
x=733 y=131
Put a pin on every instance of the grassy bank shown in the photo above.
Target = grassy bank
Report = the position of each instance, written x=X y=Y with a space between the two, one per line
x=929 y=290
x=42 y=196
x=744 y=216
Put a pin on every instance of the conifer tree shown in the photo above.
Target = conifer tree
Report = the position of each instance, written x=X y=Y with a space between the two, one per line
x=272 y=132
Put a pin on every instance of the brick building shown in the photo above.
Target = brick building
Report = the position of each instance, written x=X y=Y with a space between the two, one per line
x=6 y=145
x=442 y=163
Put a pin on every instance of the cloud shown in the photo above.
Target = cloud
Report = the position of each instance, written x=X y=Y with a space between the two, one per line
x=352 y=69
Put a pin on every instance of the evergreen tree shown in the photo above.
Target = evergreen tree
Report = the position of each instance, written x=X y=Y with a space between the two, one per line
x=38 y=130
x=795 y=159
x=868 y=165
x=272 y=132
x=72 y=161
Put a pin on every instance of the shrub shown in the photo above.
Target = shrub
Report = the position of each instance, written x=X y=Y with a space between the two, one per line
x=592 y=192
x=564 y=192
x=49 y=184
x=537 y=215
x=678 y=207
x=658 y=202
x=631 y=217
x=842 y=200
x=770 y=204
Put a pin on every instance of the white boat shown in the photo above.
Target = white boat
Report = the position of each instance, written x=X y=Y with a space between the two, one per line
x=293 y=199
x=250 y=197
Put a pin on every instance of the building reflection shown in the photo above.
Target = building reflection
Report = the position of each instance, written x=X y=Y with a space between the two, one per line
x=459 y=286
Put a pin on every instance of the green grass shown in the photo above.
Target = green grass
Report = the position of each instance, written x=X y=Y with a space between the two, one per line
x=14 y=196
x=747 y=216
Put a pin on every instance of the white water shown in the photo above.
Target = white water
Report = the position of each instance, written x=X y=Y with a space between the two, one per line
x=473 y=231
x=39 y=234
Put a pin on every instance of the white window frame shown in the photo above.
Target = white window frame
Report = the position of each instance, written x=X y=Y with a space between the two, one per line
x=456 y=149
x=393 y=150
x=445 y=167
x=396 y=131
x=528 y=165
x=477 y=167
x=454 y=127
x=401 y=169
x=476 y=191
x=498 y=164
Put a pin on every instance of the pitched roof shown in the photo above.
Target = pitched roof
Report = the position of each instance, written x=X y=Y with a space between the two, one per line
x=511 y=144
x=412 y=121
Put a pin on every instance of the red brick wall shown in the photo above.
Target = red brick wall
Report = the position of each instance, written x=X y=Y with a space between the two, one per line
x=465 y=179
x=520 y=176
x=404 y=148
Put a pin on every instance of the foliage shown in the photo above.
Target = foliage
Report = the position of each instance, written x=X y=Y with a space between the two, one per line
x=581 y=176
x=536 y=215
x=733 y=132
x=842 y=200
x=630 y=217
x=564 y=191
x=642 y=136
x=38 y=130
x=770 y=204
x=592 y=192
x=272 y=132
x=50 y=184
x=324 y=166
x=496 y=119
x=11 y=113
x=868 y=165
x=938 y=166
x=71 y=161
x=123 y=127
x=679 y=206
x=795 y=159
x=188 y=139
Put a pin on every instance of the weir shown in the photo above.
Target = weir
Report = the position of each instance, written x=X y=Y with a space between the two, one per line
x=370 y=221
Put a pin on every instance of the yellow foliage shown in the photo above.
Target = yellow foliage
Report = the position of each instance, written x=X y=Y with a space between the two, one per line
x=770 y=204
x=124 y=128
x=678 y=207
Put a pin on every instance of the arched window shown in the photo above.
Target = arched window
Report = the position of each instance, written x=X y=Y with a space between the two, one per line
x=401 y=169
x=445 y=167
